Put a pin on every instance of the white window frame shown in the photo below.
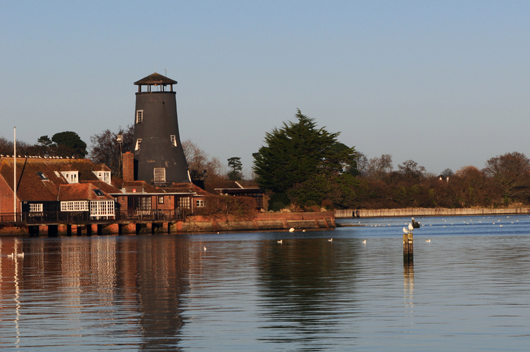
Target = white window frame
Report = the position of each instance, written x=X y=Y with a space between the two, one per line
x=35 y=208
x=138 y=144
x=139 y=116
x=173 y=139
x=74 y=205
x=184 y=202
x=71 y=176
x=199 y=203
x=101 y=208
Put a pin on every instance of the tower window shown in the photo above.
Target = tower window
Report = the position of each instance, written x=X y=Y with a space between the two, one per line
x=138 y=143
x=173 y=140
x=159 y=174
x=139 y=116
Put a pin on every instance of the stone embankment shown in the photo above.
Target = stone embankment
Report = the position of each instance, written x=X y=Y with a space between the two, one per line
x=406 y=212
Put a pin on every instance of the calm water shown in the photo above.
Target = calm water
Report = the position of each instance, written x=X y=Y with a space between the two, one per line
x=468 y=290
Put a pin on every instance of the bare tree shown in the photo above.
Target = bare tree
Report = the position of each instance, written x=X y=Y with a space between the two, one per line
x=378 y=168
x=199 y=164
x=106 y=148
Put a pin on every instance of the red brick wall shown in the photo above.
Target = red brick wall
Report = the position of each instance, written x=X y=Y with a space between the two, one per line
x=128 y=166
x=6 y=198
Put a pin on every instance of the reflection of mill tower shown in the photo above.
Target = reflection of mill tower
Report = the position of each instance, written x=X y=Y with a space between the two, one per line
x=158 y=155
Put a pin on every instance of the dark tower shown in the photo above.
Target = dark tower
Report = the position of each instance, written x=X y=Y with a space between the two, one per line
x=158 y=155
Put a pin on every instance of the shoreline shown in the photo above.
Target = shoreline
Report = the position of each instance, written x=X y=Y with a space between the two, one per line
x=408 y=212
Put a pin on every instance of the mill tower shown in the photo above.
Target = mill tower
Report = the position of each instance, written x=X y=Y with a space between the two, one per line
x=158 y=155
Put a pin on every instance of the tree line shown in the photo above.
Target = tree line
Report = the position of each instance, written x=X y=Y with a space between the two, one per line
x=305 y=167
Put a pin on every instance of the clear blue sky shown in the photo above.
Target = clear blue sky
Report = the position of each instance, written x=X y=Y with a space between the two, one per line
x=444 y=83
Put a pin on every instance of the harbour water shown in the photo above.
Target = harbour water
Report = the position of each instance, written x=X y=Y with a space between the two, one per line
x=467 y=290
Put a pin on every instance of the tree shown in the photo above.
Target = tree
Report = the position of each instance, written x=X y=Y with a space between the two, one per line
x=297 y=152
x=510 y=173
x=235 y=164
x=378 y=168
x=69 y=144
x=200 y=165
x=106 y=148
x=411 y=171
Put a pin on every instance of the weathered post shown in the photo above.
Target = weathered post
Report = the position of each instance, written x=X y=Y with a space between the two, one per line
x=408 y=248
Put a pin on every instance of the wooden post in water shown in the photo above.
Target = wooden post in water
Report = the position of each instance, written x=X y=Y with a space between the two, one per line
x=408 y=248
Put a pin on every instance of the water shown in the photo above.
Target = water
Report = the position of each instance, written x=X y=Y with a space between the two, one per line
x=467 y=290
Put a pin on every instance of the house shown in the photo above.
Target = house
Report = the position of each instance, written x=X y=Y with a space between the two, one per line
x=236 y=189
x=53 y=188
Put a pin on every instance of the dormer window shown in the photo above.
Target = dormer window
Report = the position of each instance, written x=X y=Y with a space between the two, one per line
x=42 y=176
x=173 y=140
x=98 y=193
x=139 y=116
x=70 y=176
x=103 y=176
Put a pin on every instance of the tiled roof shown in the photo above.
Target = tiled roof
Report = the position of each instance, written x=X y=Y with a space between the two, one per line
x=81 y=191
x=185 y=187
x=39 y=179
x=101 y=167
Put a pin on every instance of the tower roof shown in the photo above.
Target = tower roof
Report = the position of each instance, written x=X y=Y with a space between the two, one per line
x=155 y=78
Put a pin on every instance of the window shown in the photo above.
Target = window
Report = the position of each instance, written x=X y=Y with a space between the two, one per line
x=139 y=116
x=42 y=176
x=138 y=143
x=98 y=192
x=173 y=140
x=35 y=208
x=184 y=202
x=76 y=205
x=102 y=208
x=103 y=176
x=200 y=203
x=70 y=176
x=161 y=200
x=159 y=174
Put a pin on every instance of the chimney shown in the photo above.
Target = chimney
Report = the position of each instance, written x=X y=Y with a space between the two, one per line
x=128 y=167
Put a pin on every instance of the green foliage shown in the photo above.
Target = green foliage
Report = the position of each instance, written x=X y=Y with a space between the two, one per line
x=235 y=164
x=298 y=152
x=278 y=201
x=69 y=141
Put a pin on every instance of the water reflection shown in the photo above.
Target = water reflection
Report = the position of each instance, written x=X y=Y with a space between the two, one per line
x=305 y=285
x=126 y=290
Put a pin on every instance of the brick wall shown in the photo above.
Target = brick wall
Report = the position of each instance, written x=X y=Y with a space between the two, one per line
x=128 y=166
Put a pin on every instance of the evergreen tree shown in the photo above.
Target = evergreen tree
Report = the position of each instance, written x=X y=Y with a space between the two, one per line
x=235 y=164
x=296 y=153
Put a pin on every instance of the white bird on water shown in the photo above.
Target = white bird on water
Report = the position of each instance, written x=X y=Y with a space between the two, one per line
x=364 y=241
x=291 y=229
x=330 y=240
x=204 y=248
x=429 y=240
x=280 y=241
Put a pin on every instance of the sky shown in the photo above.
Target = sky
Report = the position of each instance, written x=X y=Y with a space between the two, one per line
x=443 y=83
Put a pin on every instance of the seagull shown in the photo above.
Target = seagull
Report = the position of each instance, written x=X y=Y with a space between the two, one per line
x=429 y=240
x=405 y=230
x=280 y=241
x=291 y=229
x=411 y=227
x=330 y=240
x=204 y=248
x=364 y=241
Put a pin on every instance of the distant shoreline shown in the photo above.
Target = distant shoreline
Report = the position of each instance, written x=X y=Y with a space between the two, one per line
x=405 y=212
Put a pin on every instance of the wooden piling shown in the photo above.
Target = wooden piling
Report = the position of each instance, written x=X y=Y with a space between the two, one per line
x=408 y=248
